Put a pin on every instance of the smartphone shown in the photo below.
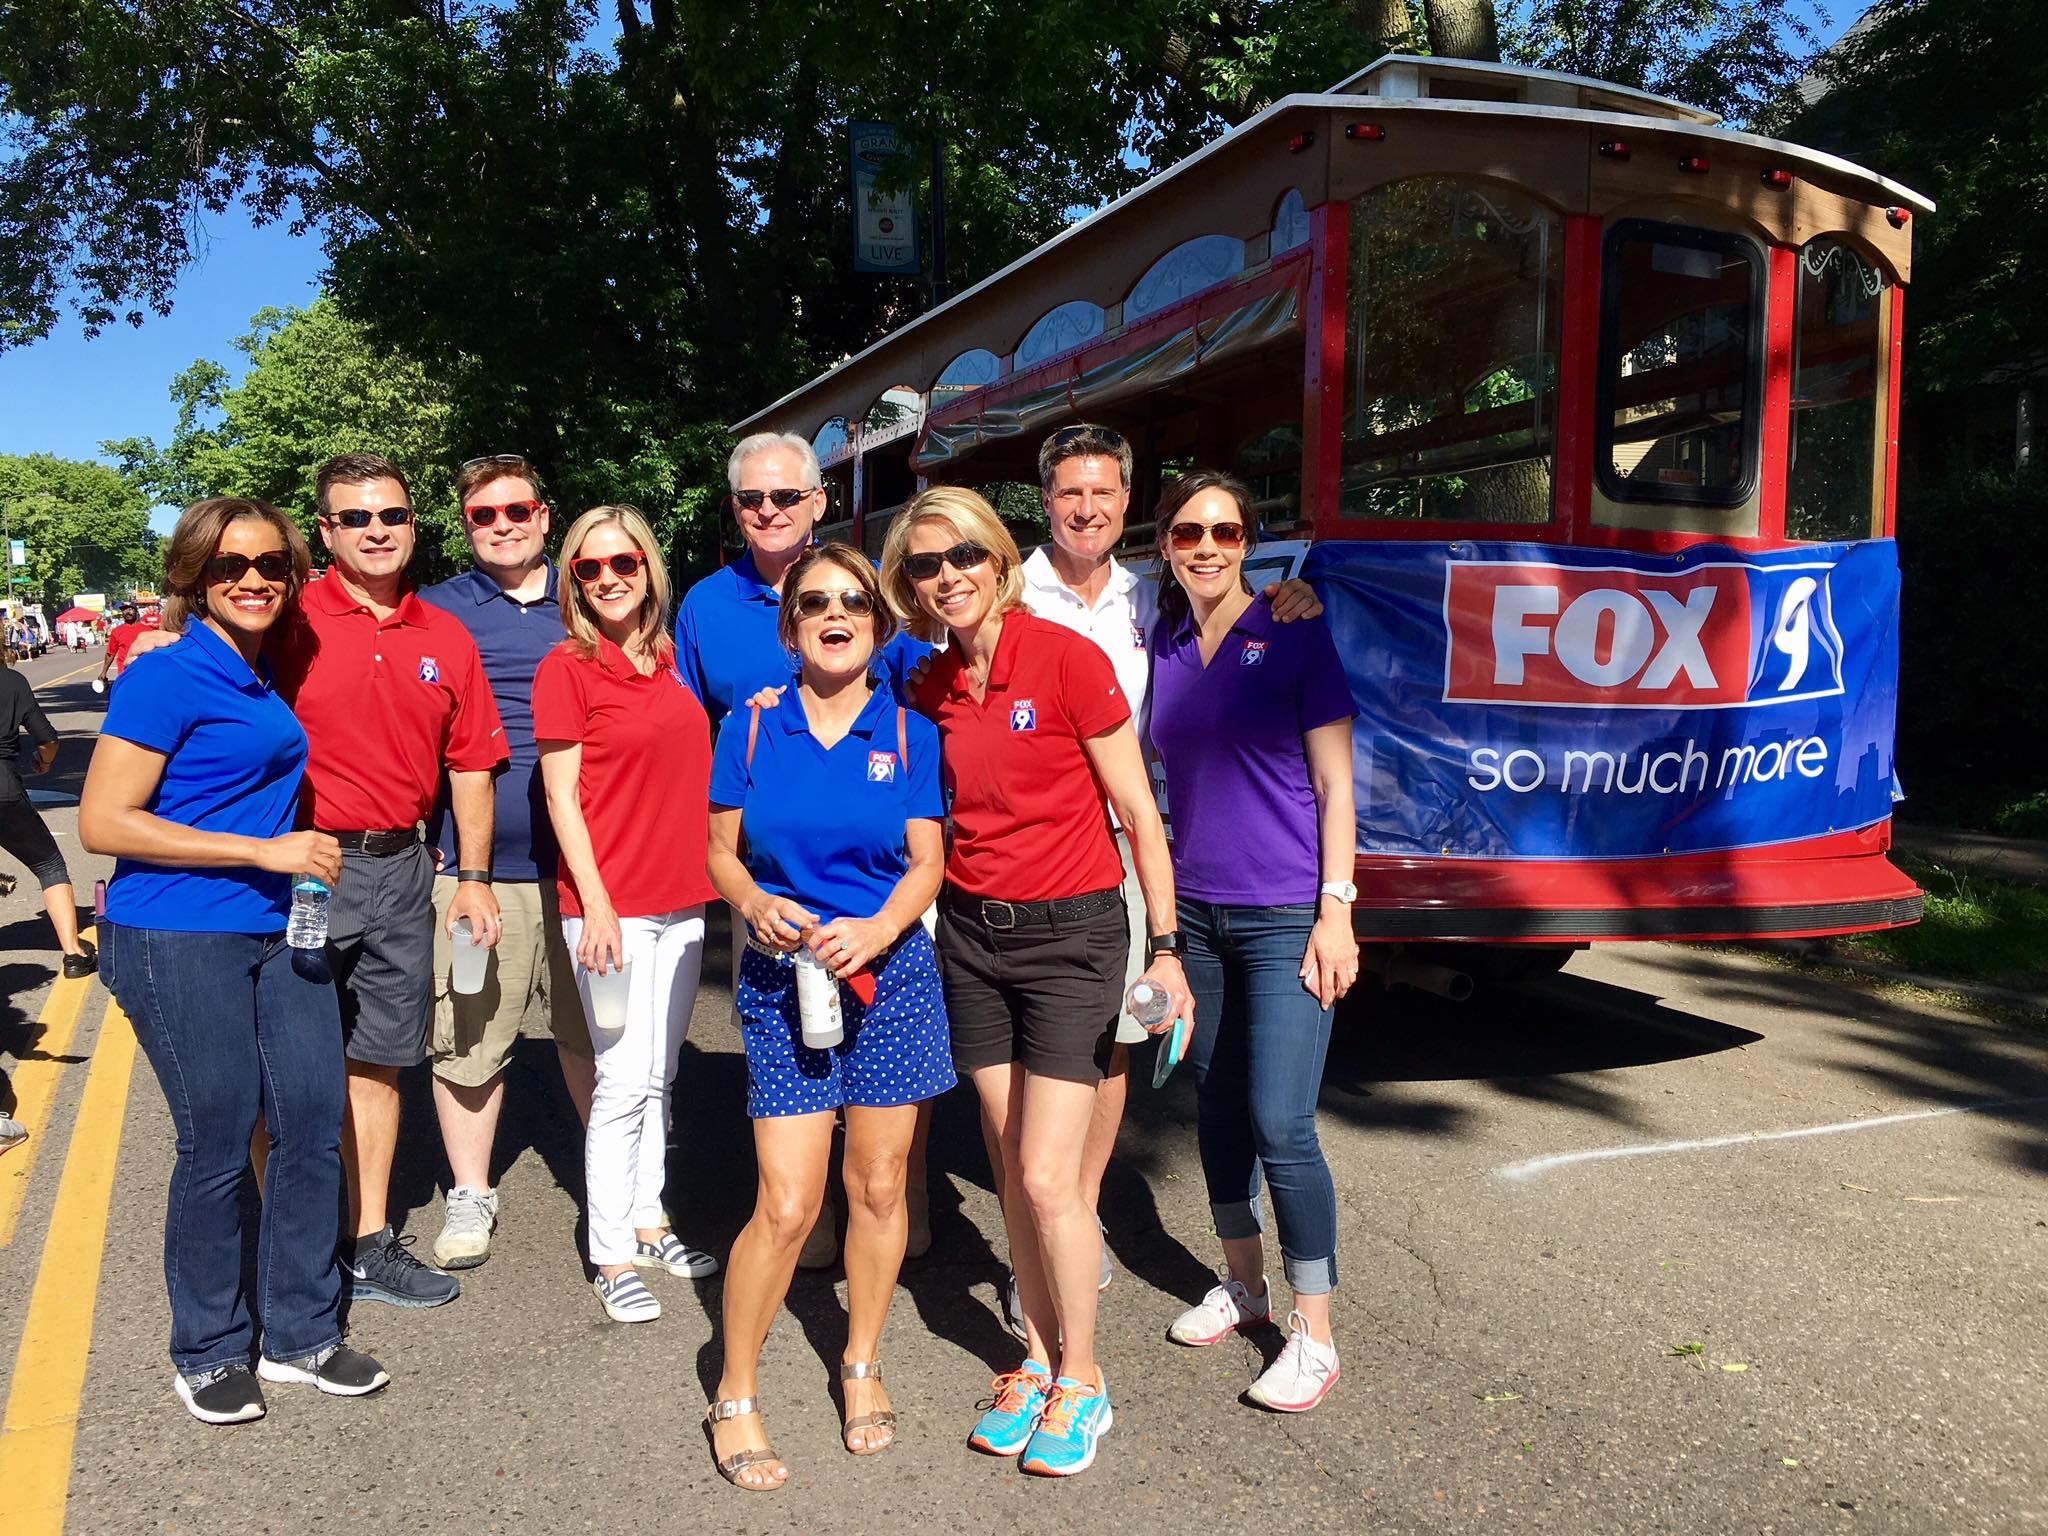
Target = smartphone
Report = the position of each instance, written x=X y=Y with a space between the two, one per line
x=1173 y=1045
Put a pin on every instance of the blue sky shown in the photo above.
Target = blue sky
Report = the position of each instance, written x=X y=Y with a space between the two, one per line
x=65 y=395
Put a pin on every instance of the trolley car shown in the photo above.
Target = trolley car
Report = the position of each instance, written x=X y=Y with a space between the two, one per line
x=1579 y=409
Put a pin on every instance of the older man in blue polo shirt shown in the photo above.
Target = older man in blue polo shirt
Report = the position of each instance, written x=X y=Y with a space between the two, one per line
x=508 y=602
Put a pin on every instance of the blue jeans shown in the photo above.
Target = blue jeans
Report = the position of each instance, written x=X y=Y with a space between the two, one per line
x=235 y=1033
x=1257 y=1055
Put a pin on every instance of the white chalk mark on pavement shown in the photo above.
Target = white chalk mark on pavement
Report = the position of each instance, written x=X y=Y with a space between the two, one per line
x=1536 y=1165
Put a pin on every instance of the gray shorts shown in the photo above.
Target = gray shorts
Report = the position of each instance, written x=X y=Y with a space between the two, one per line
x=380 y=946
x=1128 y=1030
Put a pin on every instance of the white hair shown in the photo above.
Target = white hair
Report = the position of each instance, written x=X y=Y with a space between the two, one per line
x=769 y=442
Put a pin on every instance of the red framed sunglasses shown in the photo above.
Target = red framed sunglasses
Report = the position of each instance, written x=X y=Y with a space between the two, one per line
x=589 y=568
x=515 y=512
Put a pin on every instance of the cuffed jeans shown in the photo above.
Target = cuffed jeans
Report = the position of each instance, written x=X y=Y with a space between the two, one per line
x=234 y=1033
x=625 y=1150
x=1257 y=1054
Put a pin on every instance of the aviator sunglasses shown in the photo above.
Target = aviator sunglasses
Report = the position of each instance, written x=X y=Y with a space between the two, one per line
x=356 y=517
x=856 y=603
x=589 y=567
x=962 y=557
x=1187 y=536
x=271 y=565
x=515 y=512
x=784 y=499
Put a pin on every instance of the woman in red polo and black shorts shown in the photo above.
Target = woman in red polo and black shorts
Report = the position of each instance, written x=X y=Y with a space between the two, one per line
x=1034 y=735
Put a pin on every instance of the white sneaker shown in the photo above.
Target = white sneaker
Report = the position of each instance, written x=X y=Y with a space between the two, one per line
x=1302 y=1376
x=466 y=1227
x=1222 y=1312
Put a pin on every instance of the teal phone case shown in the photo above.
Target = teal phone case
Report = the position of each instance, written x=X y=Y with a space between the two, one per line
x=1172 y=1046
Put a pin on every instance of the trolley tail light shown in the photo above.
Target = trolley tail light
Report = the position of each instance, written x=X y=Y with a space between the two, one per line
x=1778 y=177
x=1897 y=217
x=1694 y=165
x=1614 y=149
x=1300 y=142
x=1371 y=132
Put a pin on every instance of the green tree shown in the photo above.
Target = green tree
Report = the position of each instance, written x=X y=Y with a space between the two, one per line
x=86 y=527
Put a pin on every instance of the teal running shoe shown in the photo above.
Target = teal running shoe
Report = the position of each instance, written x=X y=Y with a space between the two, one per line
x=1075 y=1418
x=1019 y=1400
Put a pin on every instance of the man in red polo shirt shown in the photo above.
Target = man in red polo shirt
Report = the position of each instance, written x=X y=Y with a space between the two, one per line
x=391 y=692
x=119 y=640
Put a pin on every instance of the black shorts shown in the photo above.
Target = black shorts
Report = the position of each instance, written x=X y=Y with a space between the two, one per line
x=380 y=946
x=1043 y=995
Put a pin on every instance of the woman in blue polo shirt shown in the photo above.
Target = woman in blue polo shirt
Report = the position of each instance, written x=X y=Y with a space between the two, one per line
x=837 y=792
x=194 y=789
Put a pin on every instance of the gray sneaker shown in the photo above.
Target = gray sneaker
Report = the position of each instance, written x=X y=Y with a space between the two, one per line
x=1013 y=1311
x=12 y=1132
x=380 y=1269
x=466 y=1227
x=1108 y=1269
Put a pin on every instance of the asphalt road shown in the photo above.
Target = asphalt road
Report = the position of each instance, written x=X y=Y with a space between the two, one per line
x=1508 y=1313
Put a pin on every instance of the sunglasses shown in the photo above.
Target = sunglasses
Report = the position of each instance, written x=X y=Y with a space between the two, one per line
x=515 y=512
x=496 y=460
x=855 y=603
x=1187 y=536
x=962 y=557
x=590 y=568
x=356 y=517
x=1113 y=441
x=784 y=499
x=271 y=565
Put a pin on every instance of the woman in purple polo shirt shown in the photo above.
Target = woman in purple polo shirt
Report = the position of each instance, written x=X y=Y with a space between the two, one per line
x=1252 y=720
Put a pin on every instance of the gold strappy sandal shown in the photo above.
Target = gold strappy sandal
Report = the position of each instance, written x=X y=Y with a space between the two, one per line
x=866 y=1370
x=732 y=1466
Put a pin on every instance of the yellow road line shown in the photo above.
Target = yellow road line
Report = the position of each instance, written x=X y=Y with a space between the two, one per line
x=41 y=1421
x=35 y=1080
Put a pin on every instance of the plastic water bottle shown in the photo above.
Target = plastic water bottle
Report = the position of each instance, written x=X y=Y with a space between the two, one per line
x=817 y=1002
x=1147 y=1003
x=307 y=928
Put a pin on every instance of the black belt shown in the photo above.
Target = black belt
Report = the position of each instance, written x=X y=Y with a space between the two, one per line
x=378 y=845
x=1057 y=913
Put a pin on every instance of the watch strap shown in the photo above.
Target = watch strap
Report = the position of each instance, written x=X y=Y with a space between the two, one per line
x=480 y=876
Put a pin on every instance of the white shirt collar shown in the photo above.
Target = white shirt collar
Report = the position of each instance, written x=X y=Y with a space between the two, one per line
x=1039 y=574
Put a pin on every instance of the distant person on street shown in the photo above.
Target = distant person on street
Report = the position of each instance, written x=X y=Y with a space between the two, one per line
x=194 y=788
x=835 y=795
x=509 y=602
x=22 y=832
x=625 y=755
x=1252 y=722
x=120 y=639
x=391 y=695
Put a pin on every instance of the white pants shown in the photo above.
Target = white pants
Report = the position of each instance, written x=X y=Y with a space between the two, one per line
x=625 y=1151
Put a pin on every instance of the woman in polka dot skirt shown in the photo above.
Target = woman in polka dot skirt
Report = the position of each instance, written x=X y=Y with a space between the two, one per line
x=836 y=789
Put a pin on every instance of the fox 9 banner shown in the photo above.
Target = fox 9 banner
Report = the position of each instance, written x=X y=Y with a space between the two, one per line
x=1528 y=701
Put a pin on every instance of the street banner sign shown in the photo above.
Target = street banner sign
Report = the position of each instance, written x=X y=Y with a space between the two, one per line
x=884 y=223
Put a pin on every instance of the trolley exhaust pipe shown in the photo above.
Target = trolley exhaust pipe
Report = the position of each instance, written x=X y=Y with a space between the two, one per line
x=1401 y=969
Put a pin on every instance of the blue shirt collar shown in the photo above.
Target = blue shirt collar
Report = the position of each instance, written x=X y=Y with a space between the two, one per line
x=481 y=589
x=227 y=659
x=789 y=713
x=747 y=581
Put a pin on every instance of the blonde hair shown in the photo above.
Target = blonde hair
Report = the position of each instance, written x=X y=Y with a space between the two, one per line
x=971 y=519
x=651 y=634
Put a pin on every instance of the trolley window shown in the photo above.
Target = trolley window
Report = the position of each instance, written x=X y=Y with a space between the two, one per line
x=1451 y=378
x=1681 y=365
x=1831 y=483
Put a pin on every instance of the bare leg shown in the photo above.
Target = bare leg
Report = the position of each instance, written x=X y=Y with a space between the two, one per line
x=61 y=902
x=878 y=1143
x=791 y=1152
x=1103 y=1124
x=369 y=1140
x=579 y=1076
x=1054 y=1120
x=1001 y=1090
x=469 y=1127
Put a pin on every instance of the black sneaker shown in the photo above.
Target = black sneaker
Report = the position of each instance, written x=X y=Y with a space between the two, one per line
x=380 y=1269
x=227 y=1394
x=84 y=963
x=336 y=1370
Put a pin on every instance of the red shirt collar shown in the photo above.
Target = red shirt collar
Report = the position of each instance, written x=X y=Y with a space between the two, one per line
x=329 y=595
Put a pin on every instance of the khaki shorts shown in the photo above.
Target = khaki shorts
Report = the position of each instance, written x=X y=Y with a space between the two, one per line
x=1128 y=1030
x=529 y=989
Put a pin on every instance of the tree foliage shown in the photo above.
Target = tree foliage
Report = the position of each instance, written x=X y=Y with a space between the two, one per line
x=86 y=527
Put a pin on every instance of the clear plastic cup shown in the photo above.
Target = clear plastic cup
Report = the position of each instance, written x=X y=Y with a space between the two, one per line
x=606 y=990
x=472 y=961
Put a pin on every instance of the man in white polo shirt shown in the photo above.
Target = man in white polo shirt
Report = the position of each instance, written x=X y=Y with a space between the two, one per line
x=1084 y=474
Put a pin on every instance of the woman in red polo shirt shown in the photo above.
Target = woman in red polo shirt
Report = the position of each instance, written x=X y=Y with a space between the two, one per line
x=625 y=755
x=1034 y=736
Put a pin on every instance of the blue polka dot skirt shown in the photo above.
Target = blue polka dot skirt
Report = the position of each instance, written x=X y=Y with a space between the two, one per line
x=896 y=1051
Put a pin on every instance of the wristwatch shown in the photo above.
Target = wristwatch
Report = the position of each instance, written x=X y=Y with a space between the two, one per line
x=1162 y=944
x=1343 y=890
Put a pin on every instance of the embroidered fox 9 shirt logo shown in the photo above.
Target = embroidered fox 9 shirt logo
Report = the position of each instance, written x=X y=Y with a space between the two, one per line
x=1023 y=715
x=430 y=670
x=881 y=767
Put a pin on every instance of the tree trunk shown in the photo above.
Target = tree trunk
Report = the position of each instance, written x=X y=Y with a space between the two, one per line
x=1462 y=29
x=1384 y=23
